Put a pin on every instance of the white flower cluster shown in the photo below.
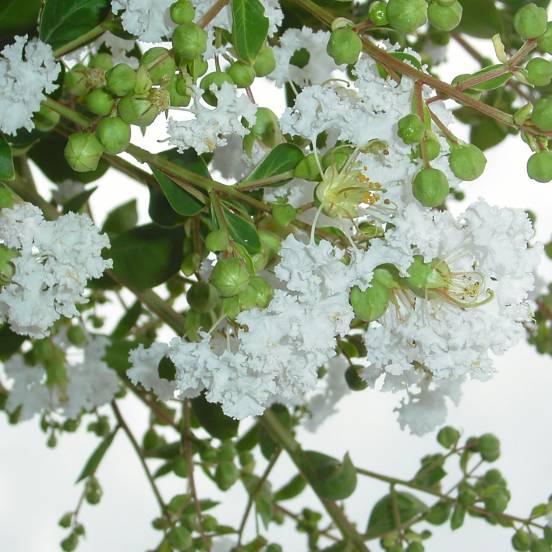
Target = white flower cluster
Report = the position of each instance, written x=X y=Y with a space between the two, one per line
x=54 y=261
x=90 y=383
x=28 y=70
x=210 y=127
x=149 y=20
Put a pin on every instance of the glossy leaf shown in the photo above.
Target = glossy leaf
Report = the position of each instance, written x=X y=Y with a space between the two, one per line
x=249 y=28
x=291 y=489
x=330 y=478
x=64 y=20
x=9 y=342
x=122 y=218
x=16 y=17
x=480 y=18
x=128 y=321
x=243 y=232
x=147 y=256
x=97 y=456
x=283 y=158
x=78 y=201
x=7 y=171
x=213 y=419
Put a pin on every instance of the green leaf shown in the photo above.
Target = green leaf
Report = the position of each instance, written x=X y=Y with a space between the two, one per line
x=78 y=201
x=291 y=489
x=147 y=256
x=243 y=232
x=264 y=498
x=382 y=518
x=97 y=456
x=122 y=218
x=9 y=342
x=65 y=20
x=249 y=28
x=213 y=420
x=480 y=18
x=7 y=171
x=116 y=355
x=487 y=134
x=283 y=158
x=16 y=17
x=160 y=210
x=128 y=321
x=330 y=478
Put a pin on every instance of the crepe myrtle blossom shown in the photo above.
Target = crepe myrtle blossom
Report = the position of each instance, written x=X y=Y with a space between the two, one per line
x=53 y=261
x=87 y=383
x=149 y=20
x=28 y=71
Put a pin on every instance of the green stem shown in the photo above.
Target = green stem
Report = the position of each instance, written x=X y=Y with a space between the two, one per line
x=91 y=35
x=286 y=441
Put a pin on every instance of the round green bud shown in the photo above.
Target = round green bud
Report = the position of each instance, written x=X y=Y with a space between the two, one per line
x=415 y=547
x=99 y=102
x=159 y=63
x=114 y=135
x=265 y=62
x=230 y=277
x=530 y=21
x=266 y=127
x=226 y=475
x=539 y=72
x=241 y=74
x=489 y=447
x=448 y=437
x=432 y=145
x=76 y=335
x=497 y=502
x=438 y=514
x=83 y=152
x=217 y=240
x=494 y=477
x=180 y=538
x=217 y=79
x=424 y=276
x=121 y=80
x=370 y=304
x=182 y=12
x=76 y=81
x=143 y=81
x=344 y=46
x=202 y=296
x=430 y=187
x=101 y=61
x=354 y=379
x=189 y=41
x=445 y=18
x=180 y=467
x=257 y=294
x=177 y=99
x=136 y=111
x=46 y=119
x=545 y=41
x=542 y=114
x=70 y=543
x=467 y=162
x=411 y=129
x=230 y=306
x=378 y=13
x=405 y=16
x=539 y=166
x=521 y=540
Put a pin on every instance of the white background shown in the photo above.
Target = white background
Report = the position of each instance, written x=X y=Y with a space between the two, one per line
x=37 y=484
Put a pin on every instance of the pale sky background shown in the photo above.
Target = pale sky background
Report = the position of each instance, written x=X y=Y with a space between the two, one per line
x=37 y=484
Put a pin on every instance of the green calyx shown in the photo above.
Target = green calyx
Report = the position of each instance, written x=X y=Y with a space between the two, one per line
x=83 y=152
x=445 y=17
x=242 y=74
x=539 y=166
x=344 y=46
x=370 y=304
x=160 y=64
x=378 y=13
x=121 y=80
x=424 y=276
x=113 y=134
x=76 y=80
x=411 y=129
x=265 y=62
x=189 y=41
x=406 y=16
x=539 y=72
x=230 y=277
x=430 y=187
x=467 y=162
x=530 y=21
x=137 y=111
x=46 y=119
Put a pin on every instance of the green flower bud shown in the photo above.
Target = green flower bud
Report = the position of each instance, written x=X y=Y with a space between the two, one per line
x=497 y=502
x=242 y=74
x=66 y=520
x=530 y=21
x=424 y=276
x=226 y=475
x=70 y=543
x=545 y=41
x=101 y=61
x=448 y=437
x=344 y=46
x=217 y=240
x=411 y=129
x=121 y=80
x=539 y=166
x=467 y=162
x=177 y=99
x=230 y=306
x=46 y=119
x=489 y=447
x=76 y=81
x=113 y=134
x=438 y=514
x=371 y=303
x=93 y=491
x=406 y=16
x=432 y=146
x=216 y=78
x=257 y=294
x=197 y=68
x=445 y=18
x=539 y=72
x=521 y=540
x=143 y=81
x=354 y=379
x=83 y=152
x=189 y=41
x=230 y=277
x=266 y=127
x=160 y=64
x=180 y=467
x=76 y=335
x=180 y=538
x=542 y=114
x=137 y=111
x=430 y=187
x=265 y=62
x=308 y=168
x=202 y=296
x=415 y=547
x=99 y=102
x=182 y=12
x=378 y=13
